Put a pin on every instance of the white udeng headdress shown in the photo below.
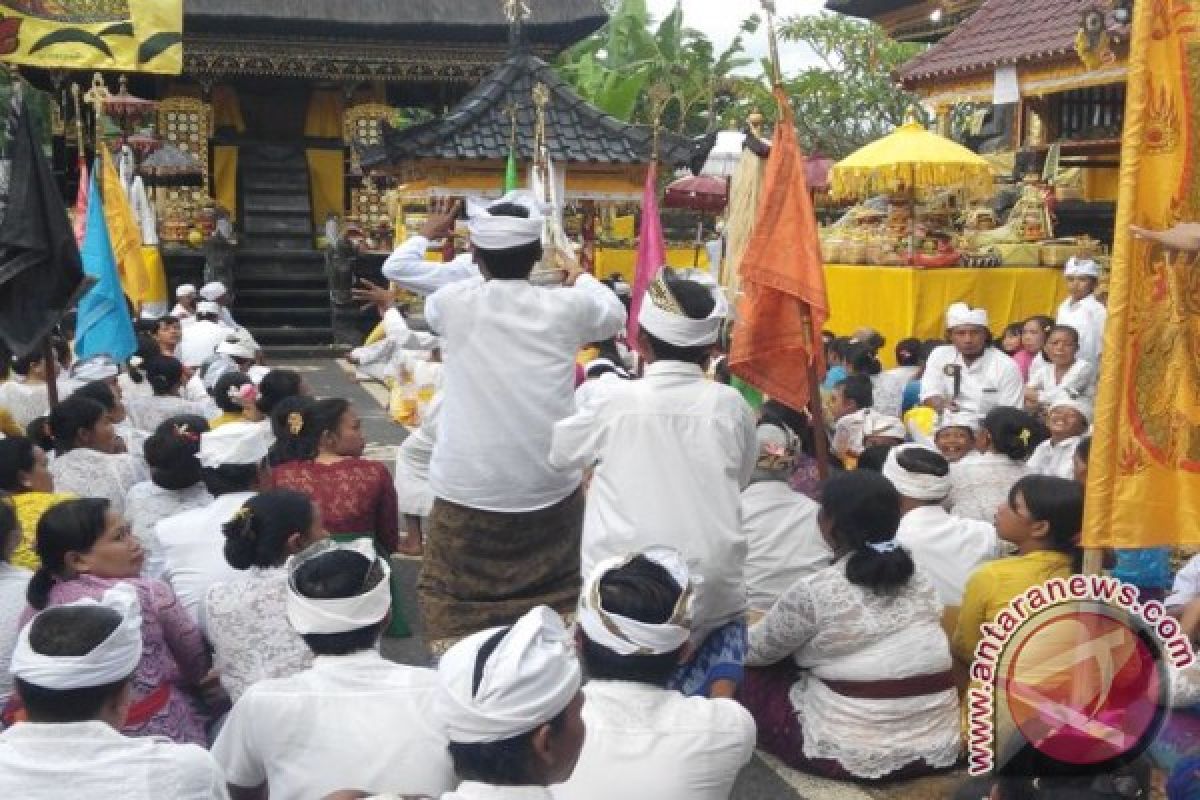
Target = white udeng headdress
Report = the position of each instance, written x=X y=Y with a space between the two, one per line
x=113 y=660
x=960 y=314
x=1081 y=267
x=529 y=678
x=241 y=443
x=341 y=614
x=631 y=637
x=662 y=317
x=502 y=232
x=912 y=484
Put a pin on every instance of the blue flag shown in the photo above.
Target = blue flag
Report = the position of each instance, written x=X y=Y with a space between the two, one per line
x=104 y=325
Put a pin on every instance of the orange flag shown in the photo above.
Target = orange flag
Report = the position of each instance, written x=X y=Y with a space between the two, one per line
x=783 y=307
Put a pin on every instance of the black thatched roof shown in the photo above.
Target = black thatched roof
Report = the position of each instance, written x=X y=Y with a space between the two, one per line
x=480 y=127
x=553 y=22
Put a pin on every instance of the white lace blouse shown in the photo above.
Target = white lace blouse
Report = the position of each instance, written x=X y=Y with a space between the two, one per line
x=836 y=630
x=146 y=504
x=26 y=402
x=147 y=413
x=90 y=473
x=980 y=483
x=249 y=631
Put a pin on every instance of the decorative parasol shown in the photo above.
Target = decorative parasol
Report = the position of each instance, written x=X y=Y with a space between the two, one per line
x=124 y=105
x=816 y=172
x=698 y=193
x=910 y=158
x=143 y=143
x=171 y=166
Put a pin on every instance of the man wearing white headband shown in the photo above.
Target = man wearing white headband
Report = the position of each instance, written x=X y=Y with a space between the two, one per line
x=216 y=292
x=672 y=453
x=185 y=303
x=192 y=544
x=510 y=702
x=94 y=368
x=783 y=542
x=1068 y=420
x=200 y=339
x=643 y=739
x=968 y=375
x=509 y=375
x=955 y=435
x=945 y=547
x=236 y=353
x=1081 y=310
x=72 y=667
x=351 y=719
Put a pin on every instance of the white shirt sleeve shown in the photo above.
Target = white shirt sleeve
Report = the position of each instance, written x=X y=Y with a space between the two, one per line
x=602 y=315
x=1009 y=388
x=933 y=383
x=577 y=440
x=749 y=445
x=408 y=268
x=1187 y=585
x=395 y=326
x=1039 y=463
x=235 y=749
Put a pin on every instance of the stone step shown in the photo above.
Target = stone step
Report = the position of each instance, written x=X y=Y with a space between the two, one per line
x=281 y=277
x=267 y=318
x=277 y=204
x=295 y=294
x=279 y=243
x=268 y=151
x=281 y=353
x=292 y=335
x=277 y=224
x=249 y=254
x=284 y=182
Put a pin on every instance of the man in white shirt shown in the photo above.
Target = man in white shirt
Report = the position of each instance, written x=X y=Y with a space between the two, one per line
x=351 y=719
x=193 y=542
x=185 y=303
x=407 y=266
x=783 y=542
x=671 y=454
x=945 y=548
x=1081 y=310
x=643 y=739
x=72 y=667
x=215 y=292
x=1068 y=420
x=968 y=375
x=201 y=338
x=504 y=531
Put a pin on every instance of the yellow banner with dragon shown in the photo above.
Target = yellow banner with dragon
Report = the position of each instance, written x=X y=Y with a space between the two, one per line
x=124 y=35
x=1144 y=476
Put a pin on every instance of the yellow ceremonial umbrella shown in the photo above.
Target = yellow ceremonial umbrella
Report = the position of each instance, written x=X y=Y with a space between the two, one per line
x=907 y=159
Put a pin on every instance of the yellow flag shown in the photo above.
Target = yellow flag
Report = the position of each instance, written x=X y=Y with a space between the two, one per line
x=1144 y=476
x=125 y=35
x=123 y=232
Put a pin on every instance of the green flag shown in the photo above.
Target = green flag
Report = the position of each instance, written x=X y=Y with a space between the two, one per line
x=511 y=180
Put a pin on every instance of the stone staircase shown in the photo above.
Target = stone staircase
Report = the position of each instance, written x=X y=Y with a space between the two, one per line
x=281 y=291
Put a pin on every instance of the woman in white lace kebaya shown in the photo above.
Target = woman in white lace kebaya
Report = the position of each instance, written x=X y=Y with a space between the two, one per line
x=980 y=482
x=86 y=465
x=24 y=395
x=176 y=485
x=247 y=619
x=166 y=377
x=849 y=672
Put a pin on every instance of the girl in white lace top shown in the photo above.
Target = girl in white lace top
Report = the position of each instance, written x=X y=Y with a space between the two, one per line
x=86 y=465
x=861 y=686
x=165 y=376
x=247 y=619
x=981 y=481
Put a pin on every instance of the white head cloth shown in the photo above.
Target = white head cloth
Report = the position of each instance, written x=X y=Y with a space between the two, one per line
x=884 y=425
x=1081 y=268
x=958 y=419
x=631 y=637
x=234 y=443
x=960 y=314
x=424 y=341
x=213 y=291
x=237 y=345
x=207 y=307
x=342 y=614
x=776 y=448
x=185 y=290
x=913 y=484
x=257 y=373
x=96 y=368
x=529 y=678
x=149 y=315
x=112 y=660
x=1064 y=400
x=501 y=232
x=673 y=327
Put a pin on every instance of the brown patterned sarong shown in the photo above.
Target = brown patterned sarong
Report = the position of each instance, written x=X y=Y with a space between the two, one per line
x=485 y=568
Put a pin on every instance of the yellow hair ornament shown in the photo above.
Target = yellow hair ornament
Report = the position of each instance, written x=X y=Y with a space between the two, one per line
x=1024 y=436
x=295 y=423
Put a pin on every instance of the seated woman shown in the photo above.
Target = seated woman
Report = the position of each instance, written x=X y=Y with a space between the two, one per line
x=1063 y=376
x=1041 y=518
x=981 y=480
x=166 y=377
x=235 y=395
x=23 y=395
x=861 y=687
x=88 y=464
x=1034 y=332
x=30 y=486
x=321 y=457
x=86 y=549
x=247 y=618
x=176 y=484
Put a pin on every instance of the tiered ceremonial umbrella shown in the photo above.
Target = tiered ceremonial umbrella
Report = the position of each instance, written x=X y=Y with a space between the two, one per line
x=698 y=193
x=907 y=160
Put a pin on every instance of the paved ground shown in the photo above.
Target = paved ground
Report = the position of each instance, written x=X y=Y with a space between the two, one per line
x=763 y=779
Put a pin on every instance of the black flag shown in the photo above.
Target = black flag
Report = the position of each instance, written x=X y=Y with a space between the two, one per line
x=41 y=273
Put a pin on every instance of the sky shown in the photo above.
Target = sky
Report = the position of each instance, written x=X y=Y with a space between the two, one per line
x=719 y=19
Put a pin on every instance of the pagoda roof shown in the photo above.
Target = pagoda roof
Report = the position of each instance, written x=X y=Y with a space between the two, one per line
x=480 y=126
x=1001 y=32
x=557 y=22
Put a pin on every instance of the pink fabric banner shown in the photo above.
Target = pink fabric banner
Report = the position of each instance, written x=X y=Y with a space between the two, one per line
x=651 y=254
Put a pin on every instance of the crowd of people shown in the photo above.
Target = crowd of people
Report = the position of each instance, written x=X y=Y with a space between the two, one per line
x=632 y=573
